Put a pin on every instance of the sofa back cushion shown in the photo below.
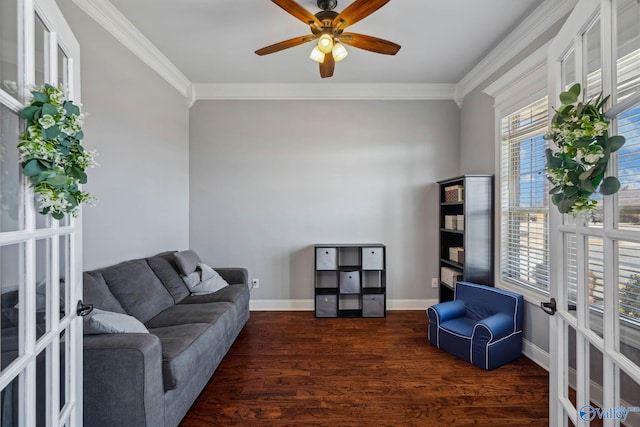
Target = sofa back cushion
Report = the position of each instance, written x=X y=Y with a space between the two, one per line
x=96 y=292
x=164 y=265
x=138 y=289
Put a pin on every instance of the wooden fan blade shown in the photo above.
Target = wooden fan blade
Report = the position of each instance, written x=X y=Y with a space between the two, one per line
x=284 y=45
x=298 y=11
x=327 y=67
x=373 y=44
x=358 y=10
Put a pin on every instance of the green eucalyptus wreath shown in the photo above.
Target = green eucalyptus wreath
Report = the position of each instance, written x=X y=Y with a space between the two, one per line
x=51 y=154
x=579 y=152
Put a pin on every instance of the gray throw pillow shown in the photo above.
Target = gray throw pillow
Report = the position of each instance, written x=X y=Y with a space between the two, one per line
x=187 y=261
x=205 y=280
x=211 y=280
x=192 y=279
x=107 y=322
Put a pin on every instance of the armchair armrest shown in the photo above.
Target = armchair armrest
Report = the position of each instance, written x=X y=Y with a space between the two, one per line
x=446 y=311
x=497 y=326
x=123 y=383
x=234 y=276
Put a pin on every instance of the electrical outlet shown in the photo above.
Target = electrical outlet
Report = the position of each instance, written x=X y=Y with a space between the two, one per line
x=255 y=283
x=434 y=282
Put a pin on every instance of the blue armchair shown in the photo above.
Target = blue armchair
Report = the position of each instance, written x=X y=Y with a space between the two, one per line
x=482 y=325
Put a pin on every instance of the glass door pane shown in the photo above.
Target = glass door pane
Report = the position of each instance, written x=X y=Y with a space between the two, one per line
x=629 y=392
x=12 y=275
x=569 y=70
x=593 y=61
x=11 y=206
x=629 y=300
x=9 y=80
x=64 y=253
x=63 y=69
x=628 y=63
x=571 y=269
x=44 y=283
x=41 y=46
x=570 y=367
x=628 y=209
x=595 y=284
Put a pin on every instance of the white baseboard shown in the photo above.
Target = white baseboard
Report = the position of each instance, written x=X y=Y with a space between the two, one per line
x=535 y=353
x=307 y=304
x=410 y=304
x=281 y=305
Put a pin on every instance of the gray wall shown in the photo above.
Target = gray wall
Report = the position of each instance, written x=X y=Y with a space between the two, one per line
x=268 y=179
x=477 y=155
x=140 y=126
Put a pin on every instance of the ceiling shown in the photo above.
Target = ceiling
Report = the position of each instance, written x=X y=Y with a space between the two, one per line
x=214 y=41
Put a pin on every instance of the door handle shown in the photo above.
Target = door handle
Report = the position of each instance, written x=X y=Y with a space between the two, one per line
x=551 y=307
x=83 y=309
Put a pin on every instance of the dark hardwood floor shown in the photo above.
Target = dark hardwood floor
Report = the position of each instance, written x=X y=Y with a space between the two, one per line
x=290 y=369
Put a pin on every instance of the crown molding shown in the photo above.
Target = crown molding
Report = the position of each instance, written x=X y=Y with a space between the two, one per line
x=534 y=25
x=110 y=18
x=523 y=84
x=319 y=91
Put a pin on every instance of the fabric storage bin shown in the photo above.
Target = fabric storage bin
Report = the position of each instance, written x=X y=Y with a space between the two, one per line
x=326 y=306
x=349 y=282
x=373 y=258
x=460 y=222
x=373 y=305
x=326 y=259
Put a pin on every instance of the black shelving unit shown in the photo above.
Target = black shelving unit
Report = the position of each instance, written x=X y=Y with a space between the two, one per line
x=350 y=280
x=468 y=199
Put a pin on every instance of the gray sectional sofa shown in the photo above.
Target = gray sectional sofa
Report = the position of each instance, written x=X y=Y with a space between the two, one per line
x=152 y=379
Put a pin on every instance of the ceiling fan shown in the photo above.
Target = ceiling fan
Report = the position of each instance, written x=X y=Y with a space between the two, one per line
x=327 y=26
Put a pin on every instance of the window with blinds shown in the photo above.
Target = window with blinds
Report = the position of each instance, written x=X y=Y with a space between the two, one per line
x=524 y=197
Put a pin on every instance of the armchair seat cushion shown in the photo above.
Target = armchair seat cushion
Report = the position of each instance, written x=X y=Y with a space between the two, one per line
x=462 y=326
x=483 y=325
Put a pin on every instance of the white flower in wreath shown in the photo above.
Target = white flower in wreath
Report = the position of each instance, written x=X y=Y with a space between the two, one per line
x=47 y=121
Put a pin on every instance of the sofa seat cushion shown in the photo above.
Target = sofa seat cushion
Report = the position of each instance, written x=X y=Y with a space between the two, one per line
x=462 y=326
x=182 y=314
x=138 y=289
x=184 y=350
x=231 y=293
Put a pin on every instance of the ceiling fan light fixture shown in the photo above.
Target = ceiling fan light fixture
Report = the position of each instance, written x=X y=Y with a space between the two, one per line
x=339 y=52
x=325 y=43
x=317 y=55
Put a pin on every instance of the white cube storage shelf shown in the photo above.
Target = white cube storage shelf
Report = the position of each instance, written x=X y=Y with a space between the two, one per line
x=350 y=280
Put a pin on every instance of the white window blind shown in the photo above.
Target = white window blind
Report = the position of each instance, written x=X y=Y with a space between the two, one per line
x=524 y=198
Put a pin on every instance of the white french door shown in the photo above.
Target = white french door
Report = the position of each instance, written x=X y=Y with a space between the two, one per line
x=595 y=350
x=40 y=258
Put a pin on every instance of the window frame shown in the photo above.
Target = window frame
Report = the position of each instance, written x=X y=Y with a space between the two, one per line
x=524 y=84
x=508 y=181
